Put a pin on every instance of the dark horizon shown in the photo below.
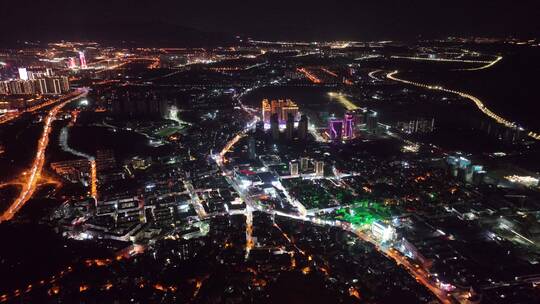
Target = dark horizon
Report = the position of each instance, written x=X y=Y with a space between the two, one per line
x=301 y=20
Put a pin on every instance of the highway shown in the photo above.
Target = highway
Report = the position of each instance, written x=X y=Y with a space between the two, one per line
x=309 y=75
x=479 y=104
x=34 y=175
x=487 y=66
x=11 y=116
x=372 y=75
x=486 y=63
x=440 y=59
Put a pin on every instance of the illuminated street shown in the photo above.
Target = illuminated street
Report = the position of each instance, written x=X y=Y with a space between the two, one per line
x=34 y=173
x=215 y=152
x=478 y=103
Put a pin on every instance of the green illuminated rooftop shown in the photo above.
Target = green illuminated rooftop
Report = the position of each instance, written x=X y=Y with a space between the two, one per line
x=362 y=212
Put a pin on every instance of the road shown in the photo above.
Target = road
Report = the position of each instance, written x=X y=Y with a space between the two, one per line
x=11 y=116
x=479 y=104
x=249 y=230
x=63 y=141
x=93 y=179
x=349 y=105
x=420 y=274
x=372 y=75
x=309 y=75
x=34 y=175
x=195 y=200
x=442 y=59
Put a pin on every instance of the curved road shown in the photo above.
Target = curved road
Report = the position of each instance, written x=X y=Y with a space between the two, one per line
x=30 y=184
x=479 y=104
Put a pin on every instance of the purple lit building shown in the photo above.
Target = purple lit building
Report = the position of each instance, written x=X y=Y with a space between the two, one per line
x=339 y=129
x=335 y=128
x=349 y=125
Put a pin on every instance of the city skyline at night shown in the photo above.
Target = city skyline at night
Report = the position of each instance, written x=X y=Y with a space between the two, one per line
x=283 y=152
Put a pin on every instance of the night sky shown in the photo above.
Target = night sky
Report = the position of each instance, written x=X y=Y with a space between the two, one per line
x=278 y=19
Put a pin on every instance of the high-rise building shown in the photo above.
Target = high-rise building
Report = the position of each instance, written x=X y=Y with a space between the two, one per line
x=27 y=87
x=266 y=111
x=335 y=128
x=82 y=60
x=71 y=63
x=303 y=128
x=304 y=163
x=416 y=126
x=274 y=126
x=40 y=86
x=15 y=87
x=49 y=85
x=252 y=153
x=64 y=83
x=280 y=107
x=53 y=86
x=289 y=129
x=23 y=74
x=289 y=108
x=372 y=121
x=3 y=87
x=319 y=168
x=49 y=72
x=293 y=166
x=349 y=126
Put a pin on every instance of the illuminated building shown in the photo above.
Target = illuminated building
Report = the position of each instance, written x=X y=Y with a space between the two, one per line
x=15 y=87
x=274 y=126
x=280 y=107
x=266 y=111
x=319 y=168
x=416 y=126
x=339 y=129
x=71 y=63
x=349 y=125
x=293 y=166
x=382 y=232
x=289 y=108
x=528 y=181
x=3 y=88
x=48 y=85
x=72 y=170
x=64 y=84
x=23 y=74
x=303 y=128
x=27 y=87
x=40 y=85
x=82 y=60
x=140 y=163
x=53 y=86
x=335 y=128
